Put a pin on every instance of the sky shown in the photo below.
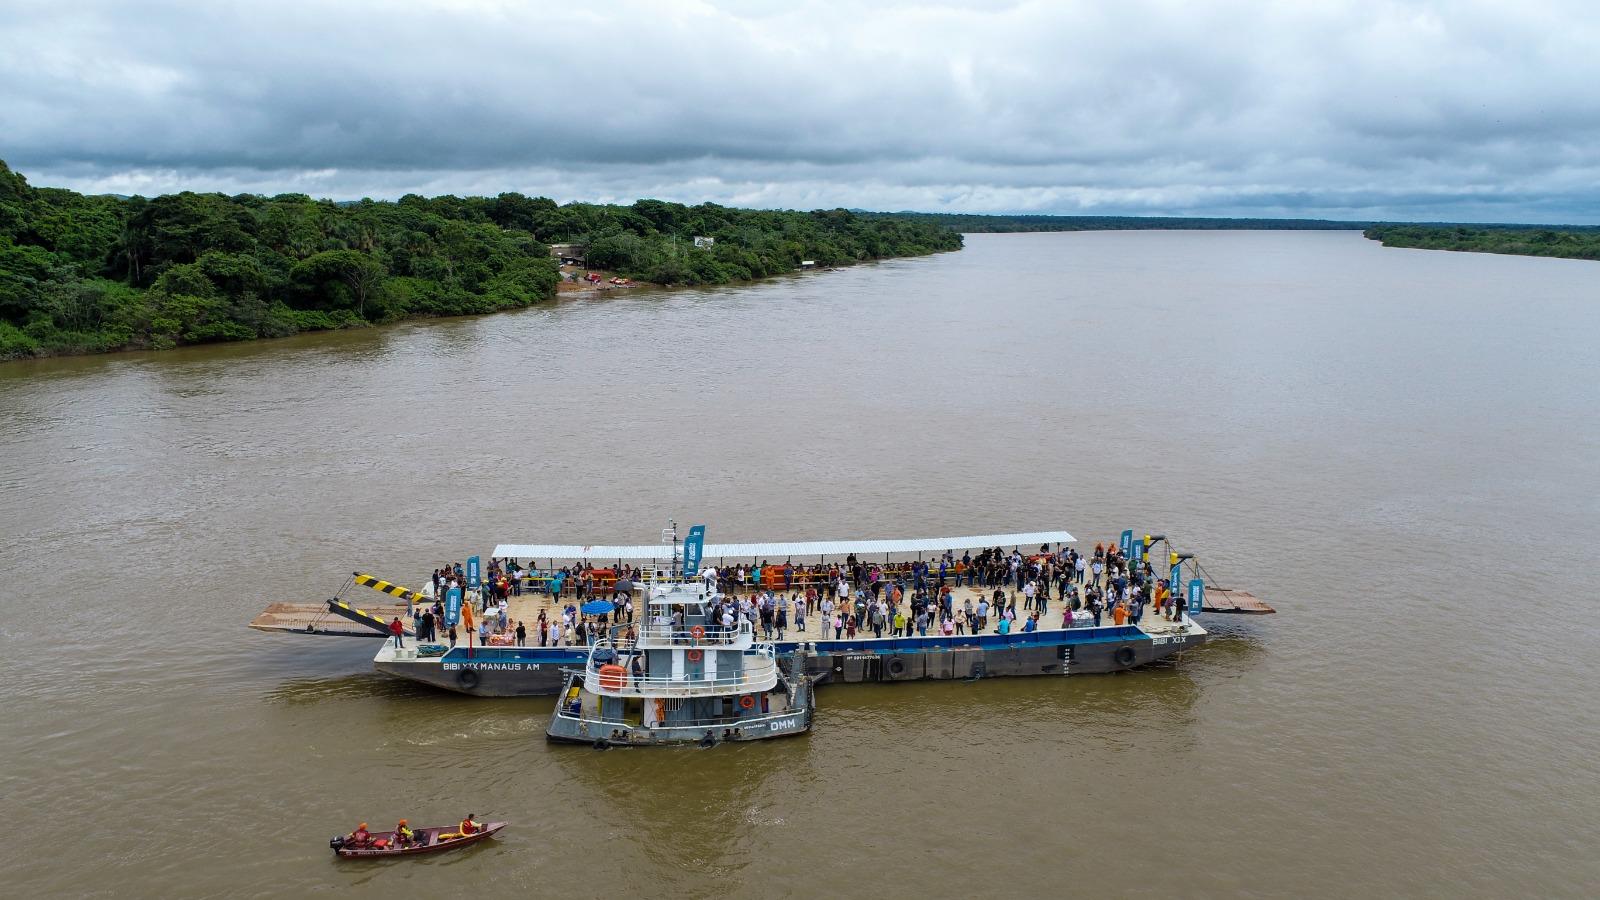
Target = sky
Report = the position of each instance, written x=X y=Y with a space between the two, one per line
x=1423 y=111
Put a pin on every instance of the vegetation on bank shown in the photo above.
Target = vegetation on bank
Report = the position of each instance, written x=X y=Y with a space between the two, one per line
x=979 y=224
x=85 y=274
x=1570 y=243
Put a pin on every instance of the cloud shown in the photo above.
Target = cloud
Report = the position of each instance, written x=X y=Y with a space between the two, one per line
x=1393 y=110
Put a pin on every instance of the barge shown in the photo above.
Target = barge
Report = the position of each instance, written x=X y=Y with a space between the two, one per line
x=819 y=656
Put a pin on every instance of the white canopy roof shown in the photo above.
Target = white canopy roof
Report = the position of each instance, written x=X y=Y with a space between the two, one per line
x=784 y=551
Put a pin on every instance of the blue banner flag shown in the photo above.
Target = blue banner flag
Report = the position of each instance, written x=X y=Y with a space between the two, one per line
x=473 y=579
x=452 y=606
x=1197 y=596
x=1127 y=543
x=693 y=547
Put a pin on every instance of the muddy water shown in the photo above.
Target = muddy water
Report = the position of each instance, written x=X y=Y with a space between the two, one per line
x=1400 y=449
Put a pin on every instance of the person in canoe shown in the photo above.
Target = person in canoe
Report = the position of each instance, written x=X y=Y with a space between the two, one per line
x=360 y=839
x=403 y=835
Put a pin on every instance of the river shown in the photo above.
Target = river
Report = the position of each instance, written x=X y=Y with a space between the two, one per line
x=1398 y=449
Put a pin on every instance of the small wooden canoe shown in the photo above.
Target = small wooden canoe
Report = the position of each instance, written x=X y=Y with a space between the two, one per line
x=429 y=840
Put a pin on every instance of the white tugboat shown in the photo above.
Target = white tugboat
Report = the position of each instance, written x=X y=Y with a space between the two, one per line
x=684 y=678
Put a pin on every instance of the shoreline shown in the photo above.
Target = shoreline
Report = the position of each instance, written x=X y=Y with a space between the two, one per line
x=579 y=292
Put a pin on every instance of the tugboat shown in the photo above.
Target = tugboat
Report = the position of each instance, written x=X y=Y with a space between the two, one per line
x=684 y=678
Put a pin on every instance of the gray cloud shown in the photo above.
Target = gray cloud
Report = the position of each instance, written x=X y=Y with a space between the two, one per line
x=1459 y=110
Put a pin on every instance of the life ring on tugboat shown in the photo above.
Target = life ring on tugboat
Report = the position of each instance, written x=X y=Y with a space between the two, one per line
x=1124 y=656
x=697 y=632
x=694 y=655
x=748 y=701
x=613 y=677
x=467 y=678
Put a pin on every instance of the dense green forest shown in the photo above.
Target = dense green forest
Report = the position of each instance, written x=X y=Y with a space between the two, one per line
x=84 y=274
x=1569 y=242
x=977 y=224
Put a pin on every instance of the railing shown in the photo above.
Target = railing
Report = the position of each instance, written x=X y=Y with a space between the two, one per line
x=712 y=635
x=762 y=678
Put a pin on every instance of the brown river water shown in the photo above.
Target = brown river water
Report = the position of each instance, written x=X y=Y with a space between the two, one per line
x=1399 y=449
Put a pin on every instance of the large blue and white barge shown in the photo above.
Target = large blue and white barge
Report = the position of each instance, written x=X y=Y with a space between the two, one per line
x=818 y=655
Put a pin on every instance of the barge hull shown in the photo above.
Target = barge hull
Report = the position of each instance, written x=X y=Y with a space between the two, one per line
x=534 y=671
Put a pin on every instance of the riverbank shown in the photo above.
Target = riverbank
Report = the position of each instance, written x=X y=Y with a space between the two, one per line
x=1563 y=243
x=94 y=274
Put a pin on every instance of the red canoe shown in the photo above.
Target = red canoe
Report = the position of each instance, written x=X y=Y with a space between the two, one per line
x=428 y=841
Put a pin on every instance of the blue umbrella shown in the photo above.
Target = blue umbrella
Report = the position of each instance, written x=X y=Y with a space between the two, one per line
x=597 y=607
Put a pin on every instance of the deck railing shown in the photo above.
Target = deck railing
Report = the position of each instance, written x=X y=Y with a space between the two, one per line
x=764 y=677
x=682 y=636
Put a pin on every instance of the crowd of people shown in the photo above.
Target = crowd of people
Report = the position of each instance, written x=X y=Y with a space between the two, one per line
x=1009 y=592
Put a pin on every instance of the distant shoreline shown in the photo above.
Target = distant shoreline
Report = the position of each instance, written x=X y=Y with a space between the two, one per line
x=1557 y=243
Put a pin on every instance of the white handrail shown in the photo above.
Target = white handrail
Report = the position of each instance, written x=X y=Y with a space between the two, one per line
x=762 y=678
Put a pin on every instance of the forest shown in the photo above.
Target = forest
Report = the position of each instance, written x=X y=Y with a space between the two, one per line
x=88 y=274
x=1520 y=240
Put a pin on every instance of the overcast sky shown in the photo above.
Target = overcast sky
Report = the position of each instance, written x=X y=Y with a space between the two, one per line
x=1460 y=110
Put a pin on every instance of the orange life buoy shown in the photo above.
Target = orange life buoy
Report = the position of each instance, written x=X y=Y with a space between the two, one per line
x=697 y=632
x=613 y=677
x=694 y=655
x=747 y=702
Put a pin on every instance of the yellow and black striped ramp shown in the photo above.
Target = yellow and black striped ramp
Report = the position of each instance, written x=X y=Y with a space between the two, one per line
x=376 y=623
x=393 y=590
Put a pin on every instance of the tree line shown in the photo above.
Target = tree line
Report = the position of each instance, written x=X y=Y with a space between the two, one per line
x=977 y=224
x=85 y=274
x=1570 y=242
